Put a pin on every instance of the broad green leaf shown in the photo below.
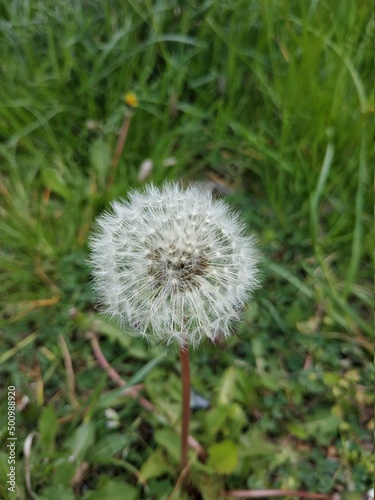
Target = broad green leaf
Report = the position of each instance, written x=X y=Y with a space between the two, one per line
x=222 y=457
x=64 y=471
x=210 y=485
x=53 y=181
x=227 y=386
x=236 y=420
x=154 y=466
x=138 y=351
x=215 y=418
x=112 y=332
x=48 y=427
x=319 y=428
x=100 y=157
x=83 y=438
x=59 y=491
x=103 y=450
x=114 y=490
x=270 y=381
x=235 y=385
x=256 y=444
x=298 y=430
x=170 y=441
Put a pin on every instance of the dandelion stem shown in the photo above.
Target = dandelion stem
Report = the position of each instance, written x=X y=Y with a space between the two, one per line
x=185 y=372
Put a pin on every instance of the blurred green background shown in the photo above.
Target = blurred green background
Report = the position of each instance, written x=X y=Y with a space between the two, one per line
x=268 y=102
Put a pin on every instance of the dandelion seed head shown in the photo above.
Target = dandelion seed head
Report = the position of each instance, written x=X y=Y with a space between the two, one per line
x=173 y=264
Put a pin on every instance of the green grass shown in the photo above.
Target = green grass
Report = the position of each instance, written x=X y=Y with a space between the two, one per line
x=273 y=100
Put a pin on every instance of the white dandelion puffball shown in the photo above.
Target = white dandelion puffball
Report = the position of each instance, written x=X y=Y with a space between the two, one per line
x=173 y=264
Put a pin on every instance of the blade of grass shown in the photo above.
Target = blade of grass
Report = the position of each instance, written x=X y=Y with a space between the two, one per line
x=357 y=243
x=318 y=193
x=22 y=344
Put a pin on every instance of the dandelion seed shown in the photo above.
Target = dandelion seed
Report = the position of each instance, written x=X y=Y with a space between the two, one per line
x=145 y=169
x=172 y=272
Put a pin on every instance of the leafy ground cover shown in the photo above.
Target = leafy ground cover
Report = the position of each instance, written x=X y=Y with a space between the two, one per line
x=269 y=102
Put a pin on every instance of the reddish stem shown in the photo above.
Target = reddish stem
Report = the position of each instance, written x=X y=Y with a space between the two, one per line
x=119 y=147
x=274 y=493
x=132 y=391
x=185 y=373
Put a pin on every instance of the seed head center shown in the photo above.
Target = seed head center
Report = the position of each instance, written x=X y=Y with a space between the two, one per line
x=176 y=270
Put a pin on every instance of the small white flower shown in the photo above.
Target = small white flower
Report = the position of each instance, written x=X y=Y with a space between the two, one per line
x=112 y=418
x=173 y=264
